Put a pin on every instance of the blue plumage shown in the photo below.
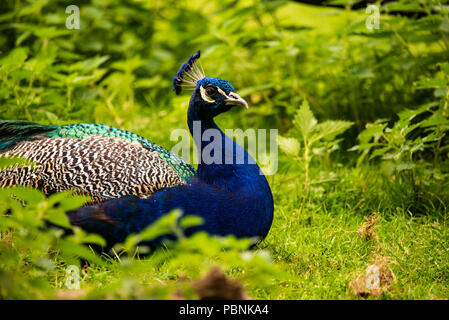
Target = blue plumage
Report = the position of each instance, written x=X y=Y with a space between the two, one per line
x=230 y=193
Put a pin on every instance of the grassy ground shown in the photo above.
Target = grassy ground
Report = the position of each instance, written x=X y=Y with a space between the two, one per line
x=320 y=248
x=321 y=245
x=330 y=245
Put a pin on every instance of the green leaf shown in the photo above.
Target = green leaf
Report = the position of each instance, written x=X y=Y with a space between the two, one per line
x=191 y=221
x=164 y=225
x=80 y=236
x=58 y=217
x=380 y=152
x=6 y=162
x=372 y=131
x=50 y=32
x=431 y=83
x=331 y=128
x=31 y=196
x=93 y=238
x=436 y=119
x=290 y=146
x=408 y=114
x=401 y=166
x=14 y=59
x=363 y=73
x=67 y=200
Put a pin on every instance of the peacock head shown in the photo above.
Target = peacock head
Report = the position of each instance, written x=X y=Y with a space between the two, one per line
x=211 y=96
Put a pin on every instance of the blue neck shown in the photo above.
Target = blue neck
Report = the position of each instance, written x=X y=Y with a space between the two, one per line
x=222 y=162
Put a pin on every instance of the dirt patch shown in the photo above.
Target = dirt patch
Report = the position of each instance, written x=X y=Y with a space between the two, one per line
x=375 y=279
x=215 y=285
x=378 y=276
x=6 y=238
x=367 y=229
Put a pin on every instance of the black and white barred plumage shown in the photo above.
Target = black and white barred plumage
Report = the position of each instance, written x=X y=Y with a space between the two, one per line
x=101 y=166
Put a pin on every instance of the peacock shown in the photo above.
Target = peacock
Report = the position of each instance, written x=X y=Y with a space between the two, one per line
x=134 y=182
x=229 y=191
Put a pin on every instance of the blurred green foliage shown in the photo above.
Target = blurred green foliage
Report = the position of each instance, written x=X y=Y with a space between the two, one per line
x=124 y=55
x=35 y=255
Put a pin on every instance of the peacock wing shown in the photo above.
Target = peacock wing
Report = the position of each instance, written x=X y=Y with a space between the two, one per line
x=98 y=160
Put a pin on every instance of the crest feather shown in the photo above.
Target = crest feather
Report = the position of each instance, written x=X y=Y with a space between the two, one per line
x=189 y=74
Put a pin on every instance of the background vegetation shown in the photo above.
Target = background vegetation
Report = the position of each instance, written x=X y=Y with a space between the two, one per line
x=363 y=119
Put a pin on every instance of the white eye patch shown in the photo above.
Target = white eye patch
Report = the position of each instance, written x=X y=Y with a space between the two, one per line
x=205 y=96
x=222 y=92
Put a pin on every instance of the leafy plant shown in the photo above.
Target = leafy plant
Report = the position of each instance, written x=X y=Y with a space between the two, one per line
x=318 y=139
x=30 y=246
x=414 y=144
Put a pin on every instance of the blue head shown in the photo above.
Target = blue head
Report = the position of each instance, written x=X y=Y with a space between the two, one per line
x=211 y=96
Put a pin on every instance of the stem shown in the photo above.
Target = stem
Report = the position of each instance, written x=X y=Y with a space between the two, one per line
x=69 y=98
x=306 y=166
x=437 y=148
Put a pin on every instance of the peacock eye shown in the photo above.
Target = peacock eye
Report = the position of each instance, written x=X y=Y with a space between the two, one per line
x=211 y=91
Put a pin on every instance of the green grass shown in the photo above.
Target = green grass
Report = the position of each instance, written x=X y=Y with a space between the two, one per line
x=319 y=245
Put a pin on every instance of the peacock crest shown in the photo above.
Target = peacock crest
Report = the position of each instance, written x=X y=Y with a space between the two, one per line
x=189 y=74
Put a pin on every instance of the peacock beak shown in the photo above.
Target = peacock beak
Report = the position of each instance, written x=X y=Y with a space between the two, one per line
x=235 y=100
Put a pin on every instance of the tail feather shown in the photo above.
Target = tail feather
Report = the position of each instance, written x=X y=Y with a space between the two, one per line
x=13 y=131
